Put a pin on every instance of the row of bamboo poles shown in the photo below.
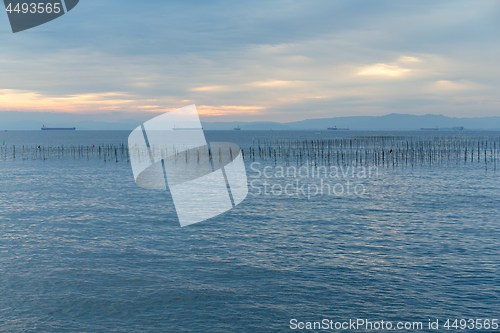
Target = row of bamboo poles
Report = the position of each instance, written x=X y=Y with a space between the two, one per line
x=117 y=153
x=363 y=150
x=379 y=150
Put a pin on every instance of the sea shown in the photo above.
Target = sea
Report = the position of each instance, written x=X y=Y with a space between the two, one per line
x=84 y=249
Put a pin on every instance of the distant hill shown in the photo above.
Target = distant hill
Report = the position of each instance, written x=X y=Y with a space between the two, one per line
x=388 y=122
x=396 y=121
x=12 y=120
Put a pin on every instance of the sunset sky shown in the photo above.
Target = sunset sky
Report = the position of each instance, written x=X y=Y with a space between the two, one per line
x=259 y=60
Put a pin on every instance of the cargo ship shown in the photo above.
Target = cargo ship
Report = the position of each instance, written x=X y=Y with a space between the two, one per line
x=237 y=128
x=457 y=128
x=334 y=128
x=45 y=128
x=429 y=129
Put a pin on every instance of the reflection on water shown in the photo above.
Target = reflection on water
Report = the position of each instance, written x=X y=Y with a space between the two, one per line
x=84 y=249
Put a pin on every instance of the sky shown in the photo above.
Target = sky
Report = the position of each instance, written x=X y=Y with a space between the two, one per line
x=274 y=60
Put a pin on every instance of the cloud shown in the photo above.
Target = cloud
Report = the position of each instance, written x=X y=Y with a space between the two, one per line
x=225 y=110
x=211 y=88
x=452 y=86
x=407 y=59
x=266 y=60
x=383 y=70
x=276 y=84
x=22 y=100
x=149 y=107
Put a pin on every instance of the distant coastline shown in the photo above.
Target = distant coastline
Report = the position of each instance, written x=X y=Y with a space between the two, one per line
x=45 y=128
x=13 y=120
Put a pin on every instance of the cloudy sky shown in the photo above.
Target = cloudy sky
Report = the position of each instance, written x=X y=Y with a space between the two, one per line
x=277 y=60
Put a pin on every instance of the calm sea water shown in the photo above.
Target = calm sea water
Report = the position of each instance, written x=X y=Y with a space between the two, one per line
x=83 y=249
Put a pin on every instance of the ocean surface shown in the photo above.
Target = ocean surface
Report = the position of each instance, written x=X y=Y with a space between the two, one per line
x=84 y=249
